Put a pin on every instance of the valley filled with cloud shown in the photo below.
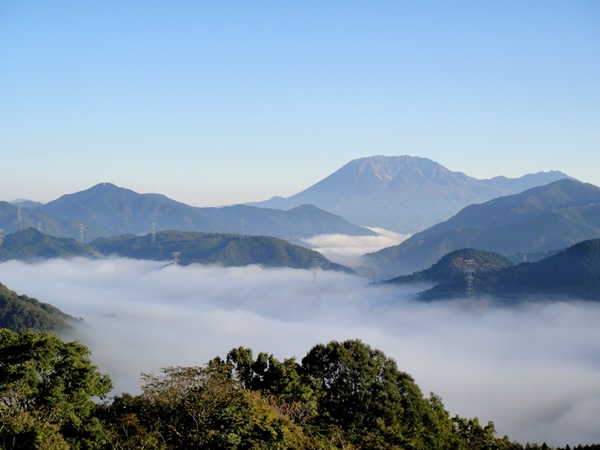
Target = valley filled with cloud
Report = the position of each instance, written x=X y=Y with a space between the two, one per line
x=533 y=369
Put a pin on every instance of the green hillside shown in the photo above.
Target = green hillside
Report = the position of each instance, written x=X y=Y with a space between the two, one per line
x=451 y=268
x=29 y=244
x=19 y=313
x=573 y=273
x=215 y=248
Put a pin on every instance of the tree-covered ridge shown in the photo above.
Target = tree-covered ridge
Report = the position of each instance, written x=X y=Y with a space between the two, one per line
x=451 y=268
x=20 y=313
x=30 y=244
x=193 y=247
x=215 y=248
x=542 y=219
x=341 y=395
x=573 y=273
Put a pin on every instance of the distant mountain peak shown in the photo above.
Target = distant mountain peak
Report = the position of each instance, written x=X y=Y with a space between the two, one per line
x=403 y=193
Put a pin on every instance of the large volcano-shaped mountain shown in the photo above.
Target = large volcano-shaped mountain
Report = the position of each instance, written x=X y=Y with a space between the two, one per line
x=403 y=193
x=109 y=210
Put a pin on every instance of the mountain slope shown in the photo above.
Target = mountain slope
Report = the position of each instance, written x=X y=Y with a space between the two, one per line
x=30 y=244
x=541 y=219
x=211 y=248
x=573 y=273
x=451 y=267
x=19 y=313
x=108 y=210
x=17 y=217
x=403 y=193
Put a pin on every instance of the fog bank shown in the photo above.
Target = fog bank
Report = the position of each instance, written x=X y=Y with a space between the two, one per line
x=534 y=370
x=347 y=250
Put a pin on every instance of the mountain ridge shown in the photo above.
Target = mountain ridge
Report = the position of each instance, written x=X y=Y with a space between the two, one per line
x=405 y=193
x=572 y=273
x=108 y=210
x=541 y=219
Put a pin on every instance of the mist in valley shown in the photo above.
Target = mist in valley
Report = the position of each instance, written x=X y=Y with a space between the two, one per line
x=533 y=369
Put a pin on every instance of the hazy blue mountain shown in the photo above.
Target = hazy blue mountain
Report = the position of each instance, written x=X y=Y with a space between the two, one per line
x=108 y=210
x=14 y=218
x=541 y=219
x=212 y=248
x=403 y=193
x=573 y=273
x=26 y=203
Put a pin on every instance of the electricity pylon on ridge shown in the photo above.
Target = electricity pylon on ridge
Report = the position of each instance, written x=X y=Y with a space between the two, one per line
x=469 y=277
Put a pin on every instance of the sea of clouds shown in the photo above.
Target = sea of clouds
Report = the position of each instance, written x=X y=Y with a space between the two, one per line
x=533 y=369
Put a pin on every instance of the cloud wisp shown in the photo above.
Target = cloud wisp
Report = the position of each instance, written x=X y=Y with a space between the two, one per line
x=347 y=250
x=534 y=370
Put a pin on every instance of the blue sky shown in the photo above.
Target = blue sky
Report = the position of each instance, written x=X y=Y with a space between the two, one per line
x=214 y=103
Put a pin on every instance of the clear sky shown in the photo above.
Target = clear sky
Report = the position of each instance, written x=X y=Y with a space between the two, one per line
x=223 y=102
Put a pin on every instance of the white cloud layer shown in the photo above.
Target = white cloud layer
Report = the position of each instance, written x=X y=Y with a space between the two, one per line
x=347 y=250
x=534 y=370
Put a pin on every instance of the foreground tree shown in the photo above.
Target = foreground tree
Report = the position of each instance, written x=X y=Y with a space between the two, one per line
x=47 y=390
x=200 y=408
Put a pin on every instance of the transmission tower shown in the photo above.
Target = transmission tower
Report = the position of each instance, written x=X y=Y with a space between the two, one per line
x=39 y=226
x=19 y=216
x=153 y=238
x=469 y=277
x=175 y=256
x=242 y=228
x=1 y=236
x=81 y=230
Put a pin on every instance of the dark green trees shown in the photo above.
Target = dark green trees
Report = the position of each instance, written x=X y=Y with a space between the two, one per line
x=343 y=395
x=349 y=395
x=47 y=388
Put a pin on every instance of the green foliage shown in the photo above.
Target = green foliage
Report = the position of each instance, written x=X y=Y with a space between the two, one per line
x=451 y=267
x=342 y=396
x=201 y=408
x=47 y=388
x=214 y=248
x=29 y=244
x=19 y=313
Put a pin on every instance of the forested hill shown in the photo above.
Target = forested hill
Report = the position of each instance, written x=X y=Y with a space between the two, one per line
x=570 y=274
x=215 y=248
x=574 y=273
x=193 y=247
x=19 y=313
x=341 y=395
x=30 y=244
x=451 y=268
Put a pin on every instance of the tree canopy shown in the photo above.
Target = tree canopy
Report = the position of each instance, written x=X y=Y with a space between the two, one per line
x=342 y=395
